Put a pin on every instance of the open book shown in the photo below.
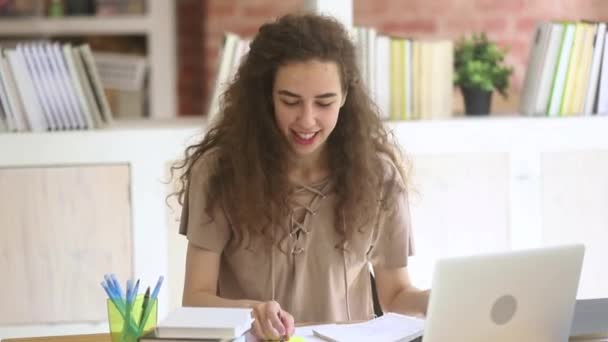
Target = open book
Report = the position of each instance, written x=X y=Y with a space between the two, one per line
x=391 y=327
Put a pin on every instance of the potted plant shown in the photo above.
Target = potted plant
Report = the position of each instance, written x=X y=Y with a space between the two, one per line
x=479 y=69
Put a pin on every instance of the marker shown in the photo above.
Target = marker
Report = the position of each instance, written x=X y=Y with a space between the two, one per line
x=157 y=287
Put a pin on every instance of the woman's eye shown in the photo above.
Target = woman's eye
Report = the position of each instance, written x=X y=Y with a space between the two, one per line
x=321 y=104
x=290 y=103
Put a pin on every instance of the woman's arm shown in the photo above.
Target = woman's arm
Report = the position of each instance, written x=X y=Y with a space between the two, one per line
x=397 y=294
x=200 y=285
x=200 y=288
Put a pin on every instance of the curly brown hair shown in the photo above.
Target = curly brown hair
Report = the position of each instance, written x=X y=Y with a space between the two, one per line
x=250 y=176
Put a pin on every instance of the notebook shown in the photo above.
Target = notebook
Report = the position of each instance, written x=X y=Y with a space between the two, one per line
x=204 y=323
x=390 y=327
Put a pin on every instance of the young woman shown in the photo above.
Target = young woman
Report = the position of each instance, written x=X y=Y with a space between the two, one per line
x=297 y=189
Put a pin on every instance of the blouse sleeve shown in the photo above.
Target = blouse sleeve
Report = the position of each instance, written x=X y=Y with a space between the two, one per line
x=392 y=243
x=210 y=233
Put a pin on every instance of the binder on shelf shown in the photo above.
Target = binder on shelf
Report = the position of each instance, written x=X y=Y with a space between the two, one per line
x=594 y=73
x=559 y=79
x=93 y=75
x=602 y=101
x=92 y=117
x=25 y=87
x=228 y=63
x=13 y=103
x=46 y=86
x=87 y=87
x=541 y=102
x=565 y=69
x=37 y=81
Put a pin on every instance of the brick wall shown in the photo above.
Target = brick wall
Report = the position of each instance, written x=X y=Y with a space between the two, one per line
x=242 y=17
x=190 y=57
x=510 y=22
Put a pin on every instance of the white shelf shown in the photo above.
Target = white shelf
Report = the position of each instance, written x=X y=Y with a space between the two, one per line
x=506 y=134
x=78 y=25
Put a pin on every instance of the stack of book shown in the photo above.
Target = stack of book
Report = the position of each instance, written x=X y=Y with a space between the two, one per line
x=407 y=78
x=202 y=324
x=49 y=86
x=567 y=72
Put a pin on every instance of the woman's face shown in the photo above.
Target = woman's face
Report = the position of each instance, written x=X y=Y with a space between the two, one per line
x=307 y=97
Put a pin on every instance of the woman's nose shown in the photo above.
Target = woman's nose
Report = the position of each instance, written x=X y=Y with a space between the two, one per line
x=307 y=116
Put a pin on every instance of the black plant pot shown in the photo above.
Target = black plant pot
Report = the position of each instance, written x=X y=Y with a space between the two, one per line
x=476 y=101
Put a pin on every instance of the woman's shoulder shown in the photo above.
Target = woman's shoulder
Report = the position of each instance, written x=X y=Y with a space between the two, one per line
x=204 y=164
x=393 y=168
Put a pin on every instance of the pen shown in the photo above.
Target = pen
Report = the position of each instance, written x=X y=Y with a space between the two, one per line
x=144 y=306
x=150 y=305
x=134 y=292
x=116 y=284
x=112 y=297
x=128 y=298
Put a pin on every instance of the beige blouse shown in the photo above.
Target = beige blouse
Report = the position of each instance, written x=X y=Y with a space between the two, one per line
x=305 y=272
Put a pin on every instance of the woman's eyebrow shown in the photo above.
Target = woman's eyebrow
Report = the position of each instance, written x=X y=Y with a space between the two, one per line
x=320 y=96
x=288 y=93
x=326 y=95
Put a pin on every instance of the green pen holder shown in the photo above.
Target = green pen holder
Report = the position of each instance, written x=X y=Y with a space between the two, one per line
x=123 y=330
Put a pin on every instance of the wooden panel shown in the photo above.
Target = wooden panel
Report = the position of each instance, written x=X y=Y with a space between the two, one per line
x=62 y=228
x=574 y=207
x=460 y=205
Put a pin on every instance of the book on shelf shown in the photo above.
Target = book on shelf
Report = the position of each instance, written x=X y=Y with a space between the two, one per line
x=204 y=323
x=407 y=78
x=48 y=86
x=565 y=69
x=124 y=79
x=233 y=50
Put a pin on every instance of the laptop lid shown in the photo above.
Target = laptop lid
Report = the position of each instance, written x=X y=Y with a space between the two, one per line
x=525 y=295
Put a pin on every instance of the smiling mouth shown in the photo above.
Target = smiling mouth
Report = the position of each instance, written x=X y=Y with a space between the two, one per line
x=304 y=138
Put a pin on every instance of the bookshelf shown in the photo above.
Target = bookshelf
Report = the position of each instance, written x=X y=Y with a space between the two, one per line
x=76 y=25
x=156 y=25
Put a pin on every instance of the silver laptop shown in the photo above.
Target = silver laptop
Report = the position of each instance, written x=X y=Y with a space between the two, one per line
x=523 y=296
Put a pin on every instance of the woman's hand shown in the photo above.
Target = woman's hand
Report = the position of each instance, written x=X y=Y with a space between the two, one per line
x=271 y=322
